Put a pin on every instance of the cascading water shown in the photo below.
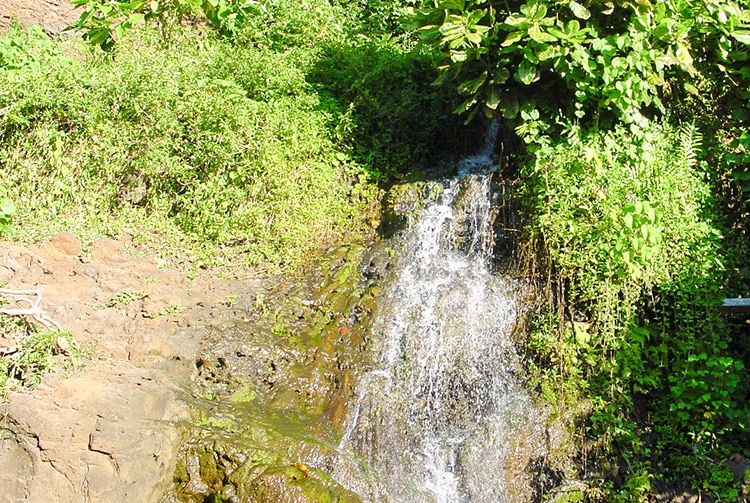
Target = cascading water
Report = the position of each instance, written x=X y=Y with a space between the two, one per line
x=436 y=418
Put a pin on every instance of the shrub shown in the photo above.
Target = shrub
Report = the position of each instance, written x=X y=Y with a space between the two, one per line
x=627 y=222
x=180 y=142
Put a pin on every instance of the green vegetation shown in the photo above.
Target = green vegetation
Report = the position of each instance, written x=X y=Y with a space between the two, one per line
x=7 y=209
x=104 y=22
x=631 y=231
x=215 y=148
x=586 y=59
x=34 y=354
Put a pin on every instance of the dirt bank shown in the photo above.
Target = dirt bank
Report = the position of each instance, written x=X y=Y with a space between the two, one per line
x=110 y=431
x=52 y=15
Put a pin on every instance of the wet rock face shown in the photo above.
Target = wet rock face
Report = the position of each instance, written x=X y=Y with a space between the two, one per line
x=403 y=202
x=273 y=388
x=109 y=431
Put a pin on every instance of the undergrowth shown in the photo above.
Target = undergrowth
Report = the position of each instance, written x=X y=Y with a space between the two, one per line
x=208 y=149
x=33 y=354
x=630 y=231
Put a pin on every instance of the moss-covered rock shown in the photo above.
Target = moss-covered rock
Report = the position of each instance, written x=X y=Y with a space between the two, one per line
x=273 y=390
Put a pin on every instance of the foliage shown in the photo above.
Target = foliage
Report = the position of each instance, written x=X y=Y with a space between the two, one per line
x=738 y=158
x=103 y=22
x=27 y=50
x=38 y=353
x=627 y=223
x=582 y=59
x=391 y=119
x=381 y=16
x=7 y=209
x=218 y=149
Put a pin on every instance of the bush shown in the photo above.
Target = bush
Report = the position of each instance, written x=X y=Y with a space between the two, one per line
x=178 y=140
x=627 y=222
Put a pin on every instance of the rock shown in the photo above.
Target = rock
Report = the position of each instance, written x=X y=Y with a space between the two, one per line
x=104 y=250
x=52 y=15
x=66 y=243
x=289 y=484
x=740 y=468
x=13 y=265
x=110 y=432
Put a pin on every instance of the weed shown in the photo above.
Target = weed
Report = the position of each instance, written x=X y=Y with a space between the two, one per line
x=36 y=354
x=125 y=299
x=629 y=229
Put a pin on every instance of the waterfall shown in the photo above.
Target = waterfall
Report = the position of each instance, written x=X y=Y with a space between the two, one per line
x=436 y=418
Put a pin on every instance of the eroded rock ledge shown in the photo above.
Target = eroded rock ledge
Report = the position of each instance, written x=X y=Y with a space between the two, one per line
x=109 y=432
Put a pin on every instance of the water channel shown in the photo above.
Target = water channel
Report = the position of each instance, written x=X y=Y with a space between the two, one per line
x=439 y=415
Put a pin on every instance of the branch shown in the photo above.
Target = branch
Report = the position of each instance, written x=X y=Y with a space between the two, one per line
x=21 y=297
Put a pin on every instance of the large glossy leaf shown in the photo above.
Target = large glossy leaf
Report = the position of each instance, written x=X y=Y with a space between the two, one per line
x=469 y=87
x=526 y=72
x=509 y=107
x=538 y=35
x=579 y=10
x=451 y=4
x=513 y=37
x=742 y=36
x=494 y=95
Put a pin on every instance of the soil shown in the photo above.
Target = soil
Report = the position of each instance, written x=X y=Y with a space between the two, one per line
x=52 y=15
x=109 y=432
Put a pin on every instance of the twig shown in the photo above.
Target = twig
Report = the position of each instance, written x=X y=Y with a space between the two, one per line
x=32 y=308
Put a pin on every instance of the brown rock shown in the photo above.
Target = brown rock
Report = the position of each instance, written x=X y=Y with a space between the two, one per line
x=66 y=243
x=52 y=15
x=106 y=250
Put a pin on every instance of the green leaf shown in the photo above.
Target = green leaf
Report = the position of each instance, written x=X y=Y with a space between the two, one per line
x=557 y=33
x=463 y=107
x=451 y=4
x=458 y=56
x=526 y=72
x=513 y=37
x=741 y=36
x=469 y=87
x=685 y=60
x=536 y=34
x=494 y=95
x=509 y=108
x=628 y=218
x=7 y=207
x=501 y=75
x=549 y=52
x=474 y=38
x=579 y=10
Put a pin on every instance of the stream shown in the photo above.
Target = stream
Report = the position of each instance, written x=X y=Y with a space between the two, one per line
x=438 y=415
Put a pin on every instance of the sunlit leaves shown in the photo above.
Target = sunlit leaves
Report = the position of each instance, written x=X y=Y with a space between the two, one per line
x=526 y=72
x=615 y=57
x=103 y=22
x=579 y=10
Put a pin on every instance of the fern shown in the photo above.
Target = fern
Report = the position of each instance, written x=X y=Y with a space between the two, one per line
x=691 y=143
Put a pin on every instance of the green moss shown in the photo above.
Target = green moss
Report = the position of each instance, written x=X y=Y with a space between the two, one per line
x=245 y=394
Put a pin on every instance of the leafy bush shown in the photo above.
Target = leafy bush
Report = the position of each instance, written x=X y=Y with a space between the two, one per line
x=392 y=120
x=36 y=354
x=7 y=209
x=27 y=50
x=582 y=58
x=627 y=224
x=103 y=22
